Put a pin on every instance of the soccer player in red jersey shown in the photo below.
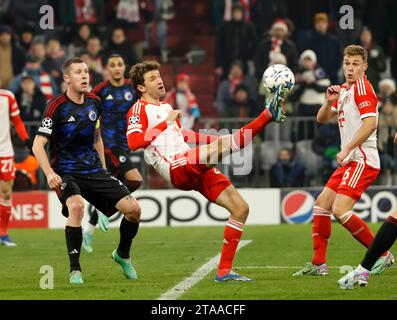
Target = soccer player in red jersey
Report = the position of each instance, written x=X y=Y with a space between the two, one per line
x=155 y=127
x=8 y=111
x=354 y=103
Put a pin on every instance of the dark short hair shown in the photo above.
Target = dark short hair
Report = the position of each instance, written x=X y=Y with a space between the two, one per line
x=113 y=55
x=138 y=71
x=68 y=63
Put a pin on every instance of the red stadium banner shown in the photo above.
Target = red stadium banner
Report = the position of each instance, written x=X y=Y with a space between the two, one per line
x=29 y=210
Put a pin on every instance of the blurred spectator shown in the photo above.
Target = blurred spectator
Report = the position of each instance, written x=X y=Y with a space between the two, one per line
x=80 y=39
x=265 y=12
x=287 y=172
x=387 y=127
x=94 y=50
x=43 y=79
x=301 y=13
x=31 y=101
x=12 y=58
x=326 y=47
x=134 y=20
x=379 y=16
x=241 y=104
x=387 y=91
x=118 y=44
x=227 y=86
x=89 y=11
x=163 y=12
x=56 y=57
x=39 y=49
x=269 y=49
x=311 y=82
x=183 y=99
x=376 y=58
x=236 y=40
x=326 y=143
x=95 y=77
x=26 y=38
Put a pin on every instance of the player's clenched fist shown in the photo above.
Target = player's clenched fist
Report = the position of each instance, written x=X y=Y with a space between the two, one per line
x=173 y=115
x=332 y=94
x=53 y=180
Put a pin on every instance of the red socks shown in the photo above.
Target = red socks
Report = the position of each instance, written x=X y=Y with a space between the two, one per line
x=245 y=135
x=5 y=213
x=321 y=231
x=232 y=236
x=358 y=228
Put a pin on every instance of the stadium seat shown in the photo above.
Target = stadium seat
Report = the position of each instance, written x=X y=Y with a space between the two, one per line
x=310 y=159
x=269 y=152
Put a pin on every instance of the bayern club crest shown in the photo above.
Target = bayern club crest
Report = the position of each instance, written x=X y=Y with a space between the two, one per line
x=128 y=96
x=297 y=207
x=92 y=115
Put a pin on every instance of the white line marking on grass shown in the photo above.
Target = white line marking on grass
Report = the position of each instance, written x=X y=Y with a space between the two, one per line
x=187 y=283
x=284 y=267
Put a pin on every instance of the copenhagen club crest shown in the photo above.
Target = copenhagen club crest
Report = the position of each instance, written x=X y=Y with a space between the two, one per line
x=134 y=119
x=46 y=123
x=297 y=207
x=128 y=96
x=92 y=115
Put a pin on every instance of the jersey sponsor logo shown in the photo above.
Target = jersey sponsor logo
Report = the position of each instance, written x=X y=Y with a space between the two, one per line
x=92 y=115
x=63 y=185
x=297 y=207
x=109 y=97
x=134 y=119
x=128 y=96
x=71 y=119
x=122 y=159
x=364 y=104
x=47 y=123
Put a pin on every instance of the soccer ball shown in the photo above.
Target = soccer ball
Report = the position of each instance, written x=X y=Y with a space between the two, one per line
x=277 y=75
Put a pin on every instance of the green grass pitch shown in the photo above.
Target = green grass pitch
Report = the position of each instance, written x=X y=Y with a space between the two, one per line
x=165 y=256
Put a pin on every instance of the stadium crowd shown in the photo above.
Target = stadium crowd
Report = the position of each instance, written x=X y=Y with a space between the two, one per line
x=250 y=35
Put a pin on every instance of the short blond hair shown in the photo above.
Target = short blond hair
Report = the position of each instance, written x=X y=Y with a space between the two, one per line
x=354 y=50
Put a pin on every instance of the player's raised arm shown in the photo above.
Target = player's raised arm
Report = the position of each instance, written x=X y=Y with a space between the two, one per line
x=328 y=110
x=40 y=153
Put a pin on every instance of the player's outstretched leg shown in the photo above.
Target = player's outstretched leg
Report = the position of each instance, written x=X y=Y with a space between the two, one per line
x=238 y=208
x=128 y=229
x=372 y=263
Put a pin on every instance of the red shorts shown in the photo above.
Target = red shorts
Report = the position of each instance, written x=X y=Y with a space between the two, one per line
x=7 y=169
x=190 y=175
x=352 y=179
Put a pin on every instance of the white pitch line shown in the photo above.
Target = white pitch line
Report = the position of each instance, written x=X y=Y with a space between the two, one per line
x=284 y=267
x=175 y=292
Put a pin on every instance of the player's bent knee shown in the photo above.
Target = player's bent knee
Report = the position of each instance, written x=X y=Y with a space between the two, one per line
x=241 y=211
x=132 y=211
x=76 y=208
